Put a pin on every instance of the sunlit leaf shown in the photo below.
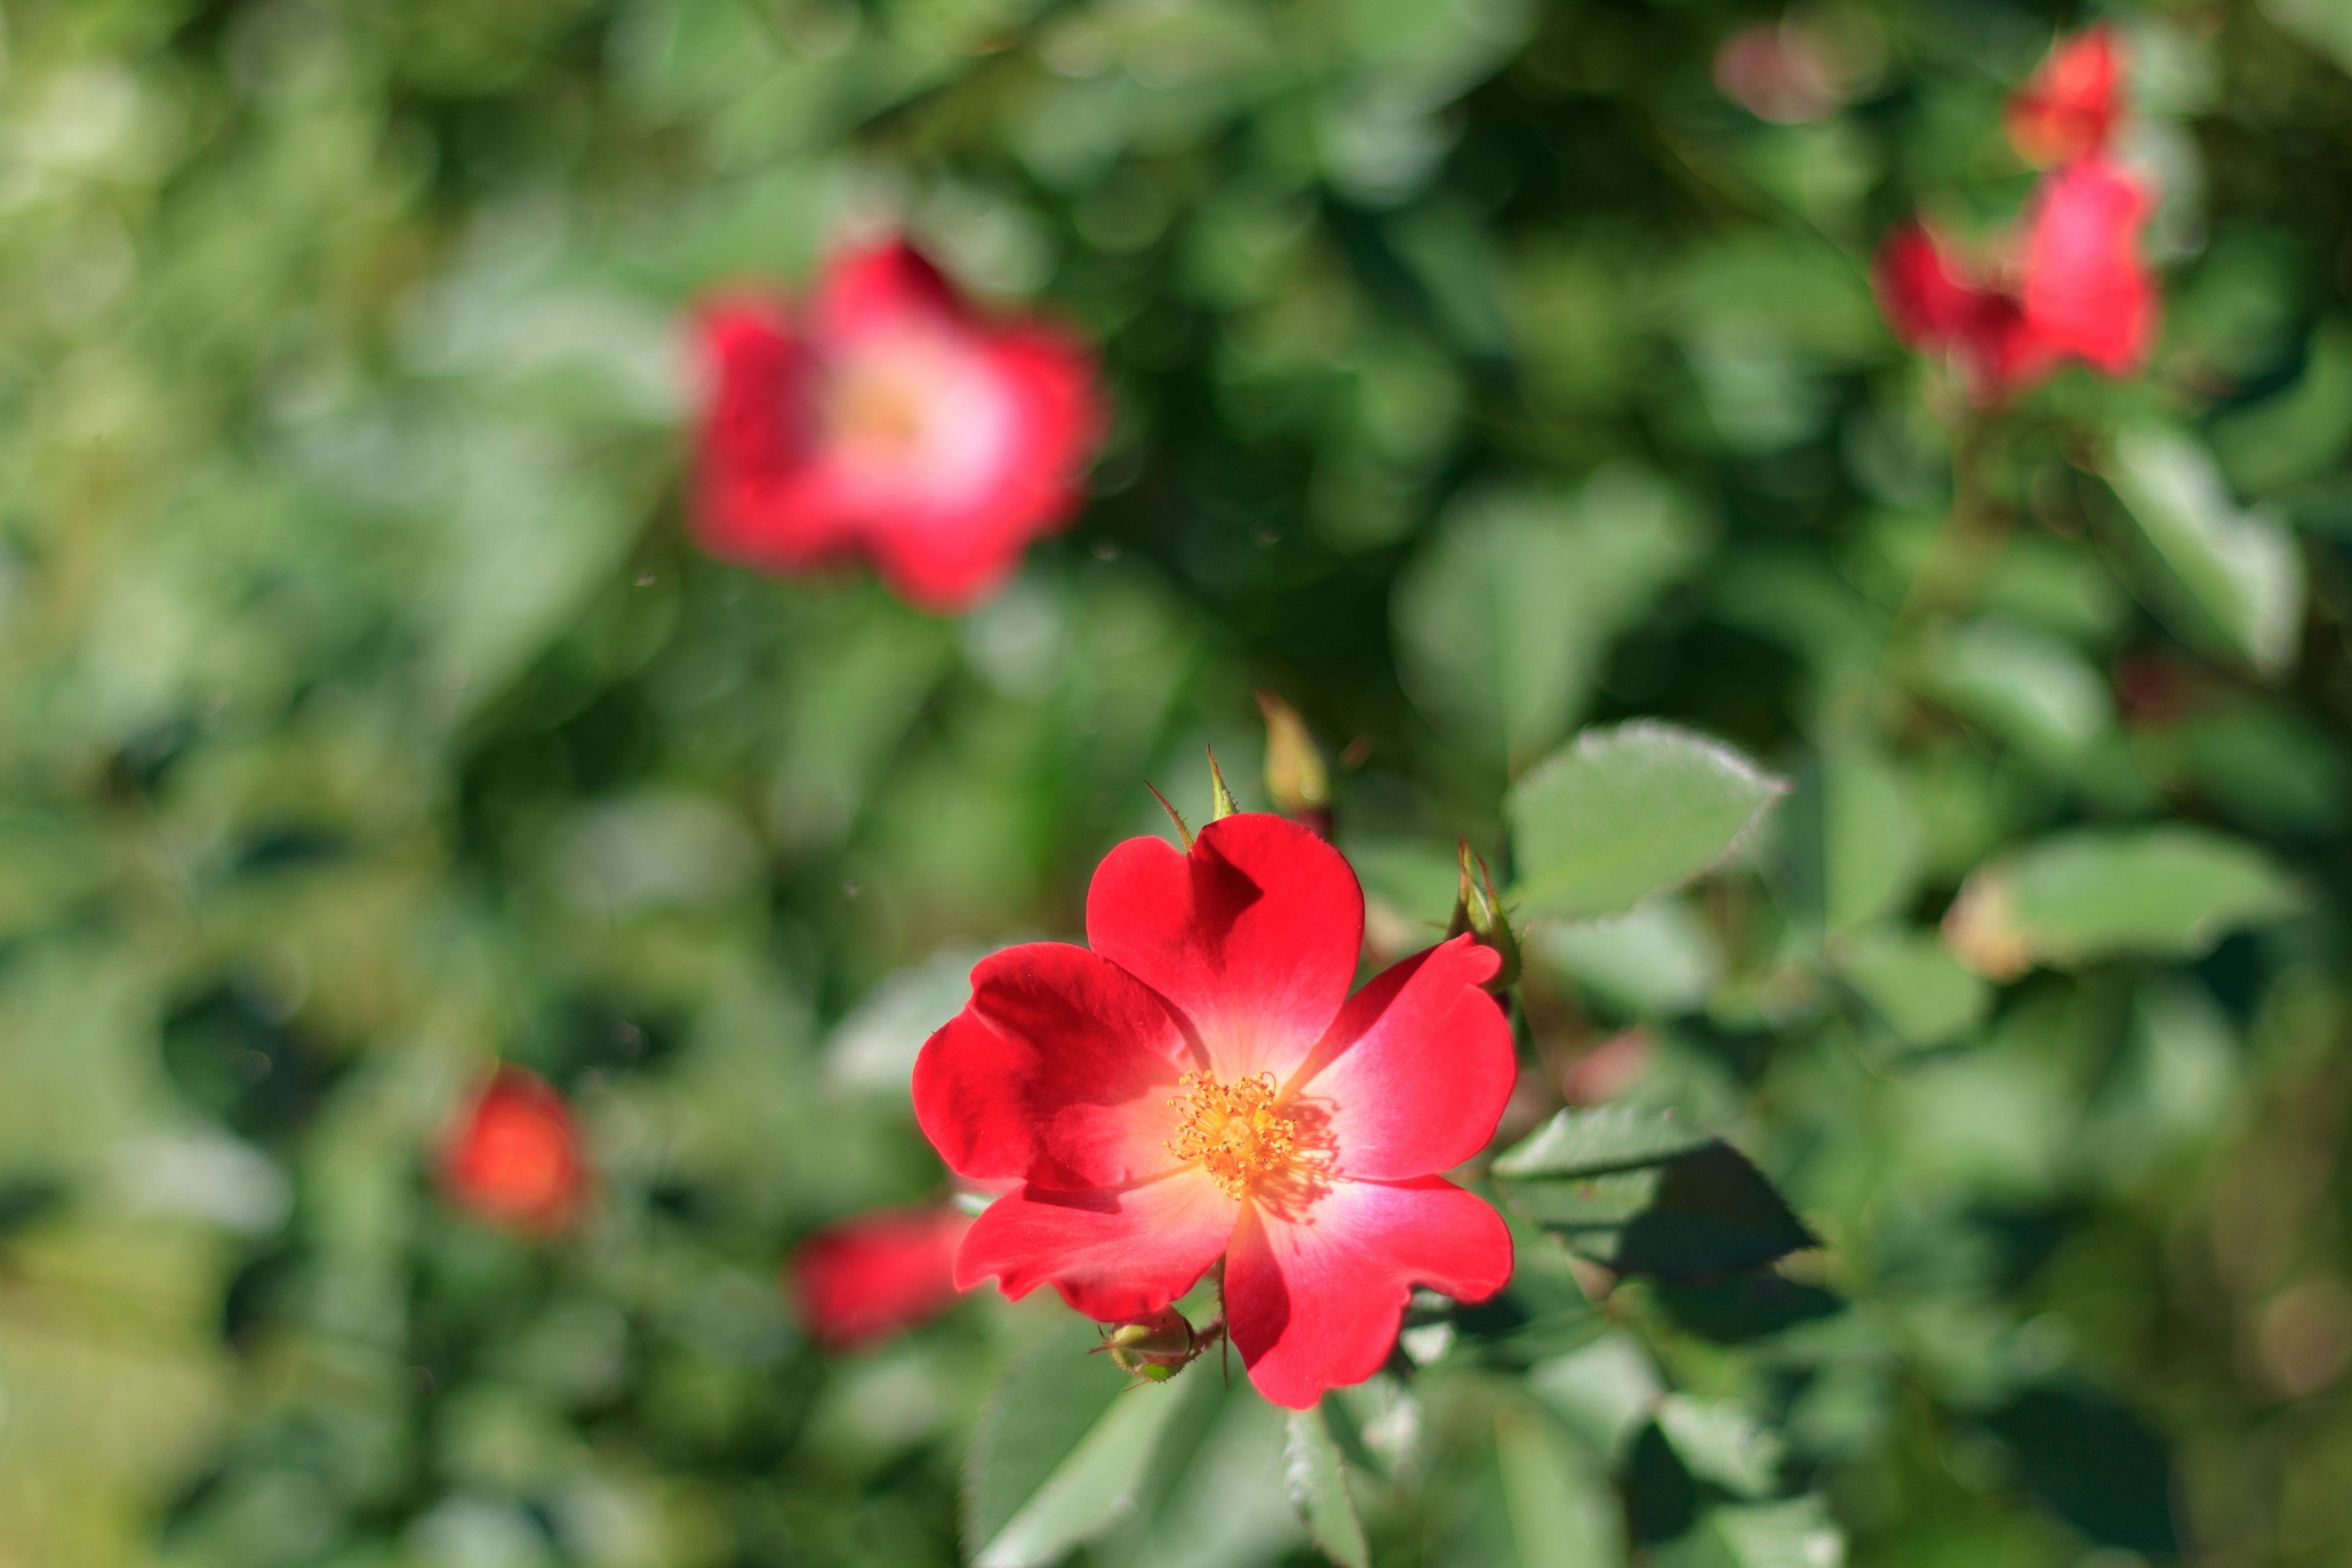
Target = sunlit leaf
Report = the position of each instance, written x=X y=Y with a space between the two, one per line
x=1563 y=1513
x=1318 y=1479
x=2234 y=572
x=2075 y=897
x=1626 y=812
x=1061 y=1453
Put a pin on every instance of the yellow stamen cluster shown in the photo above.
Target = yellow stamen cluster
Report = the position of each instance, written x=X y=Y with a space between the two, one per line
x=1232 y=1131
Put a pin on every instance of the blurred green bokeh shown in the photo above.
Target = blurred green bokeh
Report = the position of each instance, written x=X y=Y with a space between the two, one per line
x=1481 y=372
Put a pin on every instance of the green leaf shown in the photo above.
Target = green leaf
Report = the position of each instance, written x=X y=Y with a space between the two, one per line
x=1502 y=623
x=1868 y=857
x=1563 y=1513
x=2030 y=688
x=1720 y=1442
x=1318 y=1479
x=2095 y=1463
x=1223 y=1499
x=1592 y=1142
x=2297 y=434
x=2324 y=25
x=1847 y=847
x=1640 y=1193
x=2075 y=897
x=1604 y=1392
x=1912 y=983
x=1797 y=1533
x=1655 y=960
x=2234 y=576
x=1060 y=1454
x=1627 y=812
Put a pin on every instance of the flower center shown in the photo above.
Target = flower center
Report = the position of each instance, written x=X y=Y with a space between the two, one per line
x=877 y=411
x=1231 y=1129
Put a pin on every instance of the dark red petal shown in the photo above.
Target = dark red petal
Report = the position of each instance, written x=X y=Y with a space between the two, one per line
x=876 y=1275
x=1413 y=1076
x=1253 y=935
x=879 y=286
x=2086 y=290
x=1926 y=297
x=756 y=499
x=1057 y=1072
x=1314 y=1302
x=1113 y=1254
x=2070 y=107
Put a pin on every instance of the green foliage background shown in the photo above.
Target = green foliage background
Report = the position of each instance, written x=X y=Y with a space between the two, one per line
x=1481 y=374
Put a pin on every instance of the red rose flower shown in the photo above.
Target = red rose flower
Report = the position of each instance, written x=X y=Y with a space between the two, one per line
x=889 y=421
x=2080 y=289
x=2070 y=107
x=514 y=1157
x=1199 y=1085
x=876 y=1275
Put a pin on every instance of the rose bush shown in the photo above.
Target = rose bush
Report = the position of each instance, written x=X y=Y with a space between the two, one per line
x=579 y=578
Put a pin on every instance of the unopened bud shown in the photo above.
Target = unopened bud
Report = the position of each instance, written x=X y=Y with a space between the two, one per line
x=1295 y=779
x=1477 y=910
x=1155 y=1348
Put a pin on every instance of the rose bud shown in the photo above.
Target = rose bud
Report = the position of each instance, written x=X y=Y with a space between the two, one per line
x=1157 y=1347
x=1295 y=779
x=1479 y=912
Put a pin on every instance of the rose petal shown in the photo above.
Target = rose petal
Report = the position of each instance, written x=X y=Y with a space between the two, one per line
x=2086 y=290
x=1113 y=1254
x=880 y=287
x=1057 y=1072
x=1415 y=1074
x=752 y=499
x=872 y=1276
x=950 y=555
x=1314 y=1300
x=1926 y=300
x=1253 y=935
x=2070 y=107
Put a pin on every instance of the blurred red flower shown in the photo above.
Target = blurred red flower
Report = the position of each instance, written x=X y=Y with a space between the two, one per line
x=513 y=1158
x=875 y=1275
x=1199 y=1085
x=889 y=420
x=2078 y=288
x=2070 y=107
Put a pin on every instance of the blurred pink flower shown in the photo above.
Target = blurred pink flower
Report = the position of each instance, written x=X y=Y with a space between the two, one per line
x=889 y=420
x=2077 y=288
